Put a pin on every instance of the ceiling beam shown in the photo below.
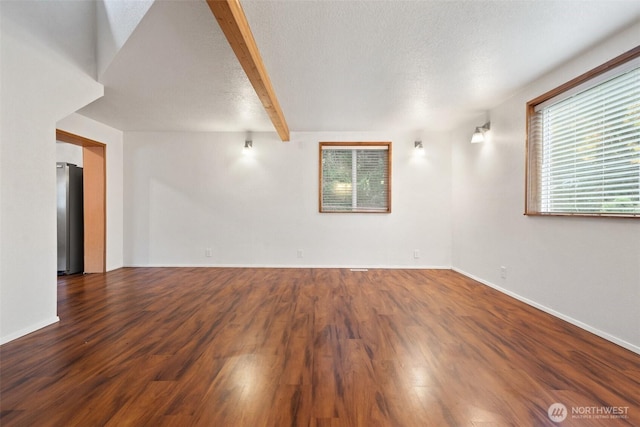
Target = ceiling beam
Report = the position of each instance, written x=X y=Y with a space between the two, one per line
x=235 y=27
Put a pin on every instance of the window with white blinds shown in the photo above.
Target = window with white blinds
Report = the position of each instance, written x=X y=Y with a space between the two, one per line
x=584 y=147
x=355 y=177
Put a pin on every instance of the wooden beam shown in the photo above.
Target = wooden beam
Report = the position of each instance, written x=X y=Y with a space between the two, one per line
x=235 y=27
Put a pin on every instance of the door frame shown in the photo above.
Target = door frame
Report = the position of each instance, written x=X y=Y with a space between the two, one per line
x=94 y=162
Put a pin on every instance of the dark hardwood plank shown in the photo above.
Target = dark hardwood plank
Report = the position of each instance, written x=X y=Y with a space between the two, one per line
x=305 y=347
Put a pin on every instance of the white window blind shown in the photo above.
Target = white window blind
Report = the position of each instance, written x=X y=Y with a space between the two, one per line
x=355 y=177
x=585 y=150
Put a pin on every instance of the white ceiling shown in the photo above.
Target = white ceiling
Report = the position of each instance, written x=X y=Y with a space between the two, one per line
x=346 y=65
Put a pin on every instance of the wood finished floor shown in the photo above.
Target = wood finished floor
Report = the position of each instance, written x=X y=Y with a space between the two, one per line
x=305 y=347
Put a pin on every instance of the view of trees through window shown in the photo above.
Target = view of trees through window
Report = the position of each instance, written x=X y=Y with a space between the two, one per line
x=355 y=179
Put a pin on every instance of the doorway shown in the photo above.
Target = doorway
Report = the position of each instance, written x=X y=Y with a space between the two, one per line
x=95 y=199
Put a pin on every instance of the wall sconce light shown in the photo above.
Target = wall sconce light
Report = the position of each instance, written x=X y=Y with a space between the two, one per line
x=248 y=144
x=417 y=144
x=478 y=134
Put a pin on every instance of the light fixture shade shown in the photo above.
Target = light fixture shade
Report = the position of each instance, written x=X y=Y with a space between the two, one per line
x=248 y=144
x=479 y=134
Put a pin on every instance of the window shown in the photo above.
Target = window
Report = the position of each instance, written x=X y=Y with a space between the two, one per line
x=583 y=144
x=355 y=177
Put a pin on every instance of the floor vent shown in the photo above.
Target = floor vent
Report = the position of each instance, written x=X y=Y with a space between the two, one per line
x=359 y=269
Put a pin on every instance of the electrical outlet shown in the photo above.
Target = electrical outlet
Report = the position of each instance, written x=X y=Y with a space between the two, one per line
x=416 y=253
x=208 y=253
x=300 y=253
x=503 y=272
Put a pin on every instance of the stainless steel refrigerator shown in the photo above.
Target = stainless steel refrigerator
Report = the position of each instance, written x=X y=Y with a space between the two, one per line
x=70 y=219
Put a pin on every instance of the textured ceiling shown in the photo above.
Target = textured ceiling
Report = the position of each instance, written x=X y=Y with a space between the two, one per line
x=176 y=72
x=346 y=65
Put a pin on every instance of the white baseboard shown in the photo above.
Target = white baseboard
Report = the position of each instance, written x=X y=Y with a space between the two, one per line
x=555 y=313
x=26 y=331
x=370 y=267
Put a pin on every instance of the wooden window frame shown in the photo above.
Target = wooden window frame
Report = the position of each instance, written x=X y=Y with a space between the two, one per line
x=357 y=144
x=532 y=202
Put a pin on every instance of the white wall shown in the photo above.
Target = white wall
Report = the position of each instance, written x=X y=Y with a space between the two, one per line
x=43 y=79
x=112 y=138
x=586 y=270
x=68 y=153
x=115 y=22
x=187 y=192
